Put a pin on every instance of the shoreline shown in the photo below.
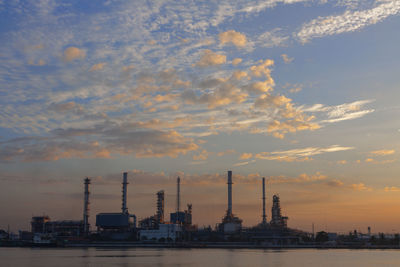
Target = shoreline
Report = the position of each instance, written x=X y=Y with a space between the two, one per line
x=202 y=245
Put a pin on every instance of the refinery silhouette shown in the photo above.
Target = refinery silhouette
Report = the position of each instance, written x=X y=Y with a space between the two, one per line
x=123 y=229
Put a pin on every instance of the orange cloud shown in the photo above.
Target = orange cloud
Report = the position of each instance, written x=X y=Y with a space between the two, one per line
x=392 y=189
x=226 y=152
x=98 y=66
x=246 y=156
x=234 y=37
x=383 y=152
x=238 y=75
x=286 y=58
x=262 y=68
x=202 y=156
x=72 y=53
x=360 y=187
x=236 y=61
x=209 y=58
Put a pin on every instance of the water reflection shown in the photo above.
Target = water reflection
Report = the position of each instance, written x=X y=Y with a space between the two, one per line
x=125 y=257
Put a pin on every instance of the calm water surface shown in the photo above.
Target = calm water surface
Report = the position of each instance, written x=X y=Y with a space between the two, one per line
x=15 y=257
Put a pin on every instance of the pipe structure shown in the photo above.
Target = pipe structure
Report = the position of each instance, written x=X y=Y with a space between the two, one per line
x=264 y=216
x=86 y=206
x=178 y=195
x=124 y=193
x=229 y=211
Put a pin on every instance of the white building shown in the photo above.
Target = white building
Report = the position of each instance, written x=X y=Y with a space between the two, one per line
x=164 y=231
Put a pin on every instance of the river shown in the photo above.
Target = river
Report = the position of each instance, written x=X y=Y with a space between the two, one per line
x=35 y=257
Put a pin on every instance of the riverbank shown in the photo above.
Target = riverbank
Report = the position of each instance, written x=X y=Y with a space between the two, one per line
x=183 y=245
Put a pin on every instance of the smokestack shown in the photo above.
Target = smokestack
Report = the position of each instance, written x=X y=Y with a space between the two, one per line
x=86 y=207
x=160 y=206
x=229 y=212
x=178 y=195
x=264 y=216
x=124 y=192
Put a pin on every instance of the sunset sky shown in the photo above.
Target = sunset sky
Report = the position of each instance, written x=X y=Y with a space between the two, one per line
x=302 y=92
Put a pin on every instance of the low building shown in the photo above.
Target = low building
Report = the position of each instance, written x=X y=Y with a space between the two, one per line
x=167 y=232
x=65 y=228
x=3 y=235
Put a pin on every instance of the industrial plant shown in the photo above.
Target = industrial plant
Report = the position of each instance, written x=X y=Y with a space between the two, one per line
x=112 y=228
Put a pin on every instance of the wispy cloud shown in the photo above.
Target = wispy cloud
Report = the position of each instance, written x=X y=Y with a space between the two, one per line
x=383 y=152
x=343 y=112
x=303 y=154
x=347 y=22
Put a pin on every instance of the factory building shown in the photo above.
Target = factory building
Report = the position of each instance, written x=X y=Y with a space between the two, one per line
x=45 y=231
x=165 y=232
x=117 y=225
x=182 y=217
x=230 y=223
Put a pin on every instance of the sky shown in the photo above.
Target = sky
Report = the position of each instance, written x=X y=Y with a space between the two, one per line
x=301 y=92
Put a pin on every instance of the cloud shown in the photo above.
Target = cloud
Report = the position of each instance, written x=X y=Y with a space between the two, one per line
x=263 y=68
x=392 y=189
x=226 y=152
x=360 y=187
x=238 y=75
x=374 y=161
x=355 y=187
x=234 y=37
x=347 y=22
x=300 y=123
x=72 y=53
x=383 y=152
x=302 y=178
x=98 y=66
x=100 y=141
x=342 y=162
x=246 y=156
x=335 y=183
x=272 y=38
x=236 y=61
x=343 y=112
x=203 y=155
x=224 y=94
x=286 y=58
x=302 y=154
x=41 y=62
x=209 y=58
x=67 y=107
x=295 y=89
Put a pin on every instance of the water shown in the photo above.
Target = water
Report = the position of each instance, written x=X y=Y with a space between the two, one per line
x=16 y=257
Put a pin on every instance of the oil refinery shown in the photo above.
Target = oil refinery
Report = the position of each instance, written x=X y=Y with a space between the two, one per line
x=156 y=228
x=112 y=228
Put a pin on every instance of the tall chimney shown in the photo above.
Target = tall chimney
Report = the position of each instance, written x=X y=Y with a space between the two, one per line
x=86 y=207
x=160 y=206
x=178 y=195
x=229 y=211
x=124 y=189
x=264 y=216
